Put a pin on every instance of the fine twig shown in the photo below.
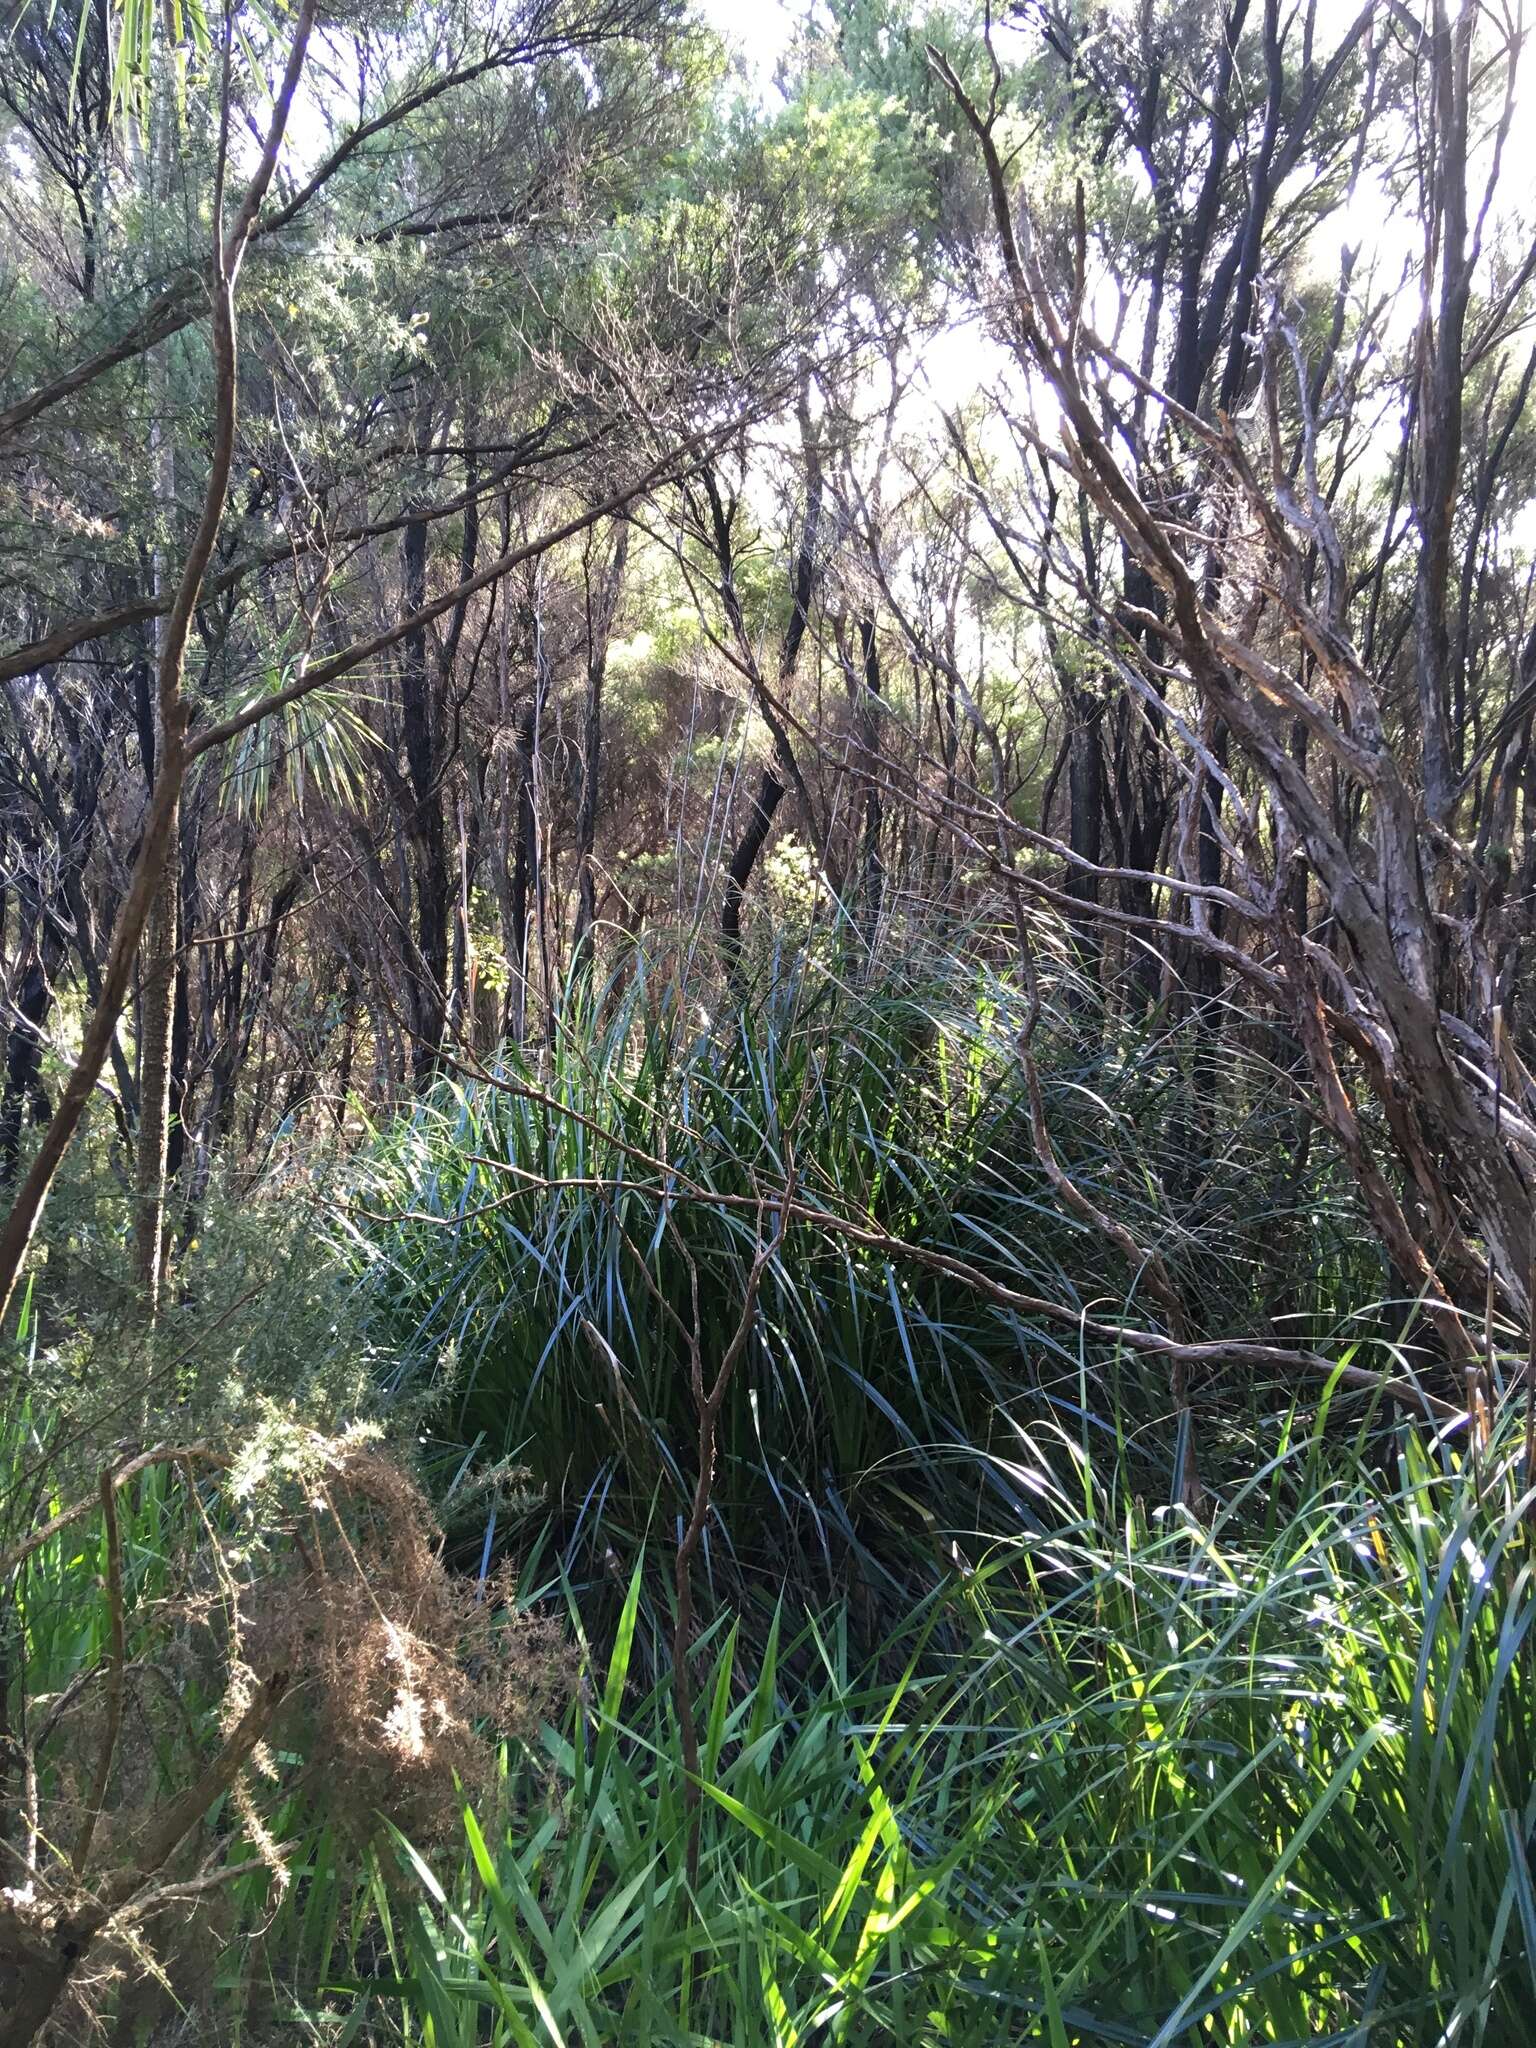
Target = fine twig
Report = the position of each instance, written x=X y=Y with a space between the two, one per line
x=160 y=1454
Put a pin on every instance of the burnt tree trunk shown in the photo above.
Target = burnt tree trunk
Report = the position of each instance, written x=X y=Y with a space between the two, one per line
x=602 y=605
x=774 y=782
x=24 y=1059
x=525 y=863
x=428 y=974
x=869 y=745
x=1085 y=821
x=765 y=804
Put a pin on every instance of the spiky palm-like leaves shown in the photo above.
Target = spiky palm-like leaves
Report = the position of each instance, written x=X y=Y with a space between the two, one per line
x=528 y=1240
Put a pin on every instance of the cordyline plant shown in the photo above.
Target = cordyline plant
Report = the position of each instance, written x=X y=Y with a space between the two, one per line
x=1245 y=633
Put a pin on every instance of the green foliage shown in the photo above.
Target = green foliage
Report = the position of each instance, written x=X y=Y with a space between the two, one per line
x=313 y=748
x=1130 y=1780
x=1116 y=1780
x=523 y=1249
x=257 y=1313
x=993 y=1746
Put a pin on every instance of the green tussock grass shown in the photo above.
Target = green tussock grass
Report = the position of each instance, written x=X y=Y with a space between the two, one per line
x=524 y=1254
x=1134 y=1781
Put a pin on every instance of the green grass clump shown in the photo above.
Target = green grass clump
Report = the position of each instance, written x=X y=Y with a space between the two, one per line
x=1266 y=1781
x=1126 y=1779
x=528 y=1246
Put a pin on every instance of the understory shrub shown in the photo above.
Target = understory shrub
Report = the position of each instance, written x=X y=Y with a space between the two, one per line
x=211 y=1655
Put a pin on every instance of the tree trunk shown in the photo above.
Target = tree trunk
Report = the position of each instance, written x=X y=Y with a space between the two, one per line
x=1085 y=822
x=785 y=774
x=873 y=892
x=601 y=607
x=23 y=1061
x=157 y=1004
x=770 y=794
x=525 y=862
x=428 y=980
x=157 y=845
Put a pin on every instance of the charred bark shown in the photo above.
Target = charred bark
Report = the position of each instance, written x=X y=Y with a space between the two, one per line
x=428 y=979
x=602 y=606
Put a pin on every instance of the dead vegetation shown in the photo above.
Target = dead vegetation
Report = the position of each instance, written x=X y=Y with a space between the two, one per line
x=297 y=1606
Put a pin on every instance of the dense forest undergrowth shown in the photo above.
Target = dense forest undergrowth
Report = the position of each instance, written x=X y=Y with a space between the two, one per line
x=767 y=1126
x=993 y=1733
